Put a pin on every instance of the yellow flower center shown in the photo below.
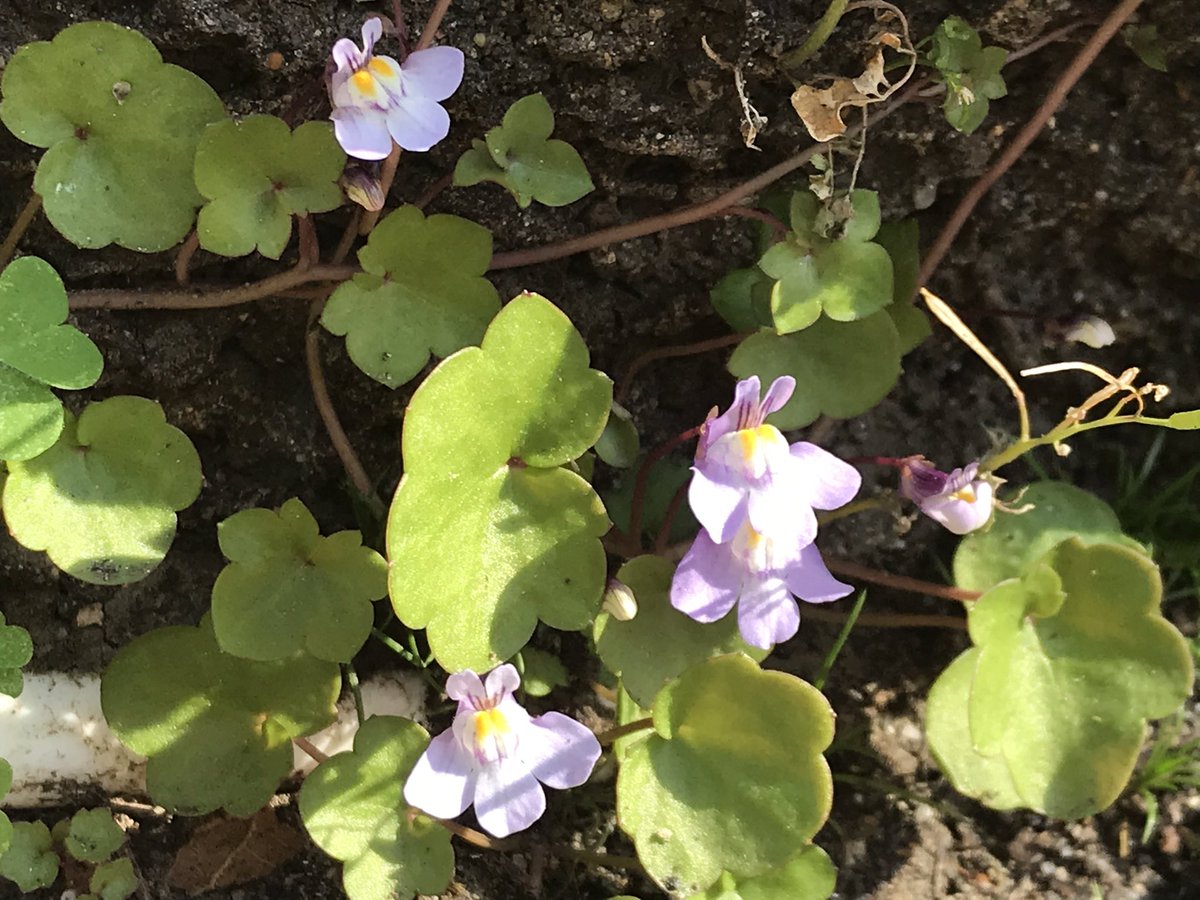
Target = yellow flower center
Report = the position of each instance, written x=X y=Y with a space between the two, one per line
x=967 y=493
x=490 y=726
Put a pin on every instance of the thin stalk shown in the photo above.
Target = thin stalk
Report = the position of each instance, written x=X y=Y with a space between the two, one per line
x=329 y=416
x=433 y=23
x=112 y=298
x=396 y=647
x=19 y=227
x=183 y=259
x=899 y=582
x=433 y=191
x=1058 y=93
x=885 y=620
x=640 y=362
x=843 y=635
x=643 y=478
x=471 y=836
x=351 y=676
x=594 y=859
x=663 y=539
x=881 y=501
x=615 y=734
x=817 y=37
x=308 y=747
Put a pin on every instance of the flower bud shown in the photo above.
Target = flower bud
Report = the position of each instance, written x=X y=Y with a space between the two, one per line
x=362 y=186
x=619 y=601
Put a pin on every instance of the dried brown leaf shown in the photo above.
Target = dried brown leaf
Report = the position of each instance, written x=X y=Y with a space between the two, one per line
x=225 y=851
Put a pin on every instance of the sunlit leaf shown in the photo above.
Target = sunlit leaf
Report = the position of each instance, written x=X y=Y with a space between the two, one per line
x=102 y=501
x=37 y=351
x=743 y=299
x=16 y=649
x=218 y=729
x=93 y=836
x=810 y=875
x=520 y=155
x=30 y=861
x=256 y=173
x=486 y=534
x=732 y=780
x=121 y=128
x=421 y=291
x=287 y=589
x=353 y=806
x=113 y=880
x=541 y=672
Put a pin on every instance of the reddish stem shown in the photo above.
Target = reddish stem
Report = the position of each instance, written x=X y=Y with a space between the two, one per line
x=640 y=362
x=662 y=542
x=183 y=259
x=899 y=582
x=643 y=478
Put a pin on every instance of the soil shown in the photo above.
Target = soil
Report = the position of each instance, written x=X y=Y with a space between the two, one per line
x=1101 y=216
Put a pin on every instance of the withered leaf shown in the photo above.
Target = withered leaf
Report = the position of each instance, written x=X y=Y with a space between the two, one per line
x=820 y=109
x=225 y=851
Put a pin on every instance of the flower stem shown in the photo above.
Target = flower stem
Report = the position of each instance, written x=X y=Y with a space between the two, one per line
x=19 y=227
x=640 y=362
x=614 y=734
x=351 y=676
x=643 y=478
x=396 y=647
x=899 y=582
x=183 y=259
x=885 y=620
x=817 y=37
x=843 y=635
x=471 y=836
x=308 y=747
x=432 y=24
x=880 y=501
x=662 y=541
x=594 y=859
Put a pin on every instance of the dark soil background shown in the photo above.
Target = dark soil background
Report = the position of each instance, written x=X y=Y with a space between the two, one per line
x=1101 y=216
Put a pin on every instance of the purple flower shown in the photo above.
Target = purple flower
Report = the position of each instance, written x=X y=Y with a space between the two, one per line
x=746 y=472
x=494 y=755
x=376 y=99
x=750 y=571
x=960 y=501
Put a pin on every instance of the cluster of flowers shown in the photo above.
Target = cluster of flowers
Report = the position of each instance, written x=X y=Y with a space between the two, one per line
x=755 y=497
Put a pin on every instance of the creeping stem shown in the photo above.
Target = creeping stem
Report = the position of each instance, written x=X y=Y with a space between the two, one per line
x=24 y=219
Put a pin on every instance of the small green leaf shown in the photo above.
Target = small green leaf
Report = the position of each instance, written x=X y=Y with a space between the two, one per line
x=865 y=217
x=733 y=779
x=520 y=156
x=30 y=860
x=37 y=351
x=16 y=649
x=422 y=290
x=6 y=827
x=353 y=806
x=636 y=651
x=102 y=501
x=541 y=672
x=217 y=729
x=619 y=445
x=810 y=875
x=256 y=173
x=963 y=116
x=1014 y=542
x=121 y=127
x=956 y=45
x=486 y=533
x=902 y=242
x=1185 y=421
x=114 y=880
x=93 y=836
x=667 y=476
x=1070 y=662
x=1143 y=41
x=743 y=299
x=986 y=80
x=287 y=589
x=845 y=367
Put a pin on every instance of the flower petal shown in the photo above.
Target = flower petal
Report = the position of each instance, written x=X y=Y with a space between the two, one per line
x=962 y=516
x=719 y=507
x=417 y=124
x=508 y=798
x=559 y=751
x=372 y=31
x=465 y=685
x=775 y=511
x=809 y=579
x=707 y=581
x=442 y=783
x=778 y=394
x=828 y=481
x=745 y=401
x=767 y=614
x=434 y=73
x=346 y=55
x=363 y=134
x=502 y=680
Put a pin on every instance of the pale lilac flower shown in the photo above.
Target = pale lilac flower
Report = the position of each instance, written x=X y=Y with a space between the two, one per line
x=960 y=501
x=746 y=472
x=376 y=99
x=751 y=572
x=495 y=755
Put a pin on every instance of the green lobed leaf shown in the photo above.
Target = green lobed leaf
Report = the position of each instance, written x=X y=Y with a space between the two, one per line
x=93 y=836
x=956 y=45
x=256 y=173
x=6 y=827
x=619 y=444
x=1064 y=681
x=421 y=291
x=217 y=729
x=846 y=367
x=1014 y=542
x=810 y=875
x=743 y=299
x=660 y=642
x=486 y=533
x=353 y=807
x=520 y=156
x=286 y=589
x=102 y=501
x=37 y=351
x=121 y=128
x=16 y=649
x=733 y=779
x=965 y=117
x=541 y=672
x=30 y=861
x=114 y=880
x=902 y=242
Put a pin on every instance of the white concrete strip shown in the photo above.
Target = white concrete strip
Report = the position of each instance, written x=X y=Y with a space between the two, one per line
x=55 y=737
